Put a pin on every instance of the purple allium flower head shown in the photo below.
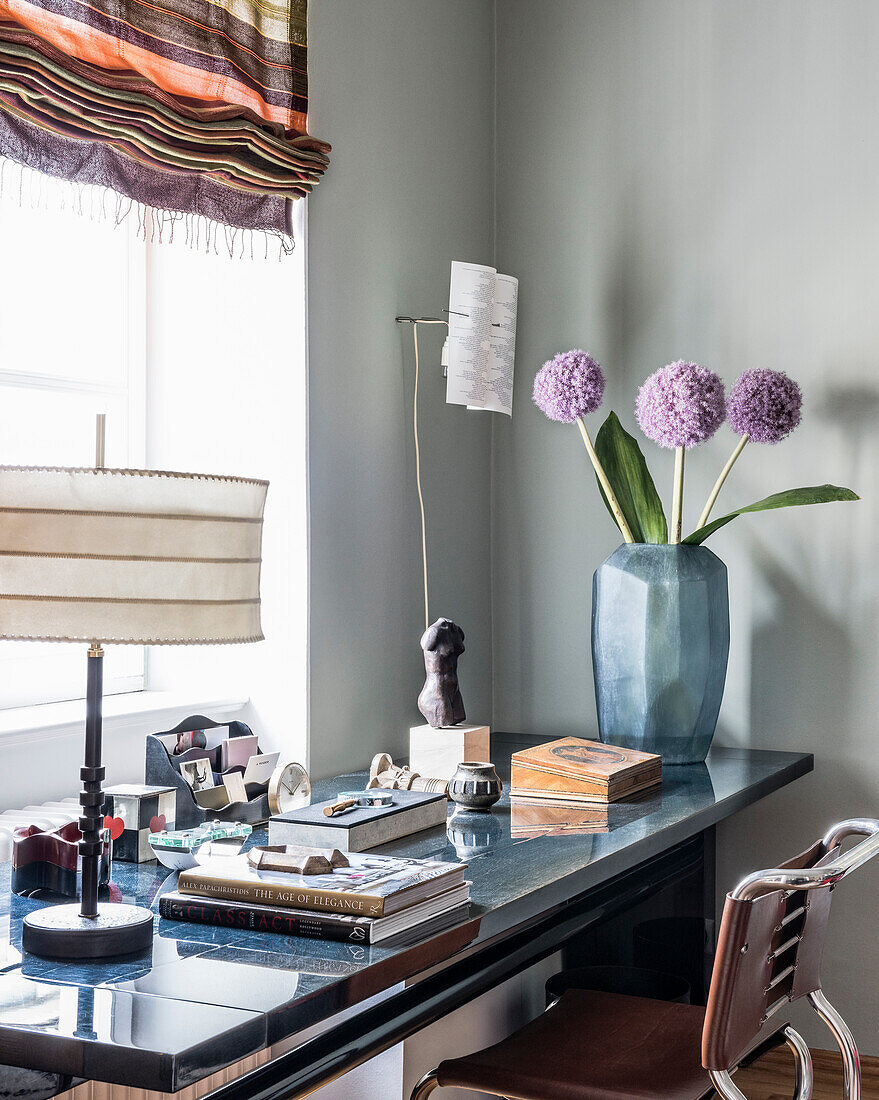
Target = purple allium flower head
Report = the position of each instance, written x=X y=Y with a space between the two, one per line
x=765 y=404
x=681 y=405
x=569 y=385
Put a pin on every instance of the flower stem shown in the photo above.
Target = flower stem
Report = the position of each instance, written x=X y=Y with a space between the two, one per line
x=605 y=484
x=718 y=485
x=677 y=502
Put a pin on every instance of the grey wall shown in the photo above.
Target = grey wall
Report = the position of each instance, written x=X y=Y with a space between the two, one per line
x=403 y=89
x=673 y=177
x=699 y=179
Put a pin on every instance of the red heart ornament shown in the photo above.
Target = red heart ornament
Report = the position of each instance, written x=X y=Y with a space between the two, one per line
x=158 y=823
x=116 y=826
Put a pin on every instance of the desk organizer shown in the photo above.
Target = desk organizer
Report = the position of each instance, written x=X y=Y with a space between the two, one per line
x=163 y=770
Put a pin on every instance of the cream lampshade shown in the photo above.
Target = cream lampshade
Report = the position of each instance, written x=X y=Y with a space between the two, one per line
x=137 y=557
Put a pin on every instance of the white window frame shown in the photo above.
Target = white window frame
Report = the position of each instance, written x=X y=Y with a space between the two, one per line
x=133 y=386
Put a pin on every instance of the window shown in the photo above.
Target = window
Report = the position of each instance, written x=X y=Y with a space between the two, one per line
x=72 y=324
x=198 y=359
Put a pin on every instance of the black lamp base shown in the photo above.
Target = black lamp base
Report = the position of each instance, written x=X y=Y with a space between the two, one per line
x=61 y=932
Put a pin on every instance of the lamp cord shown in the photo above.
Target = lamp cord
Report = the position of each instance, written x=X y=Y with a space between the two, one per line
x=418 y=477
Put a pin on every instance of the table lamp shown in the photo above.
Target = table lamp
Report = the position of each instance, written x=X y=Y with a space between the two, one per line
x=129 y=557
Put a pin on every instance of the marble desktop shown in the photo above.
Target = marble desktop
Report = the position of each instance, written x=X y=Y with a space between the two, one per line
x=204 y=996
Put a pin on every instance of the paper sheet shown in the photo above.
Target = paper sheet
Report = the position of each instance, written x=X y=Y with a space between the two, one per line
x=482 y=338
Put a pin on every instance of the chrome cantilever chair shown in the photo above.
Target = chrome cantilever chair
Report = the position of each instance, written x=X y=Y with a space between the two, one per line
x=605 y=1046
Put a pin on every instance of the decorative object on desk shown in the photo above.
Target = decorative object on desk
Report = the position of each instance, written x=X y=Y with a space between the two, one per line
x=235 y=752
x=195 y=808
x=233 y=784
x=383 y=772
x=289 y=788
x=142 y=809
x=236 y=785
x=191 y=739
x=440 y=700
x=660 y=642
x=181 y=848
x=132 y=557
x=582 y=771
x=259 y=769
x=654 y=691
x=362 y=827
x=438 y=752
x=214 y=799
x=348 y=800
x=471 y=832
x=438 y=747
x=48 y=860
x=475 y=785
x=371 y=886
x=198 y=774
x=297 y=859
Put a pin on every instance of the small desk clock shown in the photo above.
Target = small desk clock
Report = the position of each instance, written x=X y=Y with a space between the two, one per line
x=289 y=788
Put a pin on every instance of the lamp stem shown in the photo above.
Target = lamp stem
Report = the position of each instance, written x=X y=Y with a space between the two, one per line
x=92 y=797
x=100 y=439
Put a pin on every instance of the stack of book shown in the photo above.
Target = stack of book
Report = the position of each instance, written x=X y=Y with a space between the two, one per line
x=373 y=898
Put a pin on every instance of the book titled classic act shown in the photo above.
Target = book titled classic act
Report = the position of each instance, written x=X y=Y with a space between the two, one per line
x=313 y=923
x=372 y=886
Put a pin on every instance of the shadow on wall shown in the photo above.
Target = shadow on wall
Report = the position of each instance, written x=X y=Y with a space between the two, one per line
x=801 y=660
x=804 y=681
x=631 y=296
x=813 y=683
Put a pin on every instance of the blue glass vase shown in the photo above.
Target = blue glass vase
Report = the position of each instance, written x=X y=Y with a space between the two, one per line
x=660 y=644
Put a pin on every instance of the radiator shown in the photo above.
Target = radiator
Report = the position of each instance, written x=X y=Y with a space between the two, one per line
x=49 y=815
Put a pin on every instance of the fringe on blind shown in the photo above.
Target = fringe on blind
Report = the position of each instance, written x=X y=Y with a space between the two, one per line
x=32 y=190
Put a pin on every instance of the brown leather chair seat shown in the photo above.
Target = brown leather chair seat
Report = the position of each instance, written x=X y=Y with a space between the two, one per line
x=593 y=1046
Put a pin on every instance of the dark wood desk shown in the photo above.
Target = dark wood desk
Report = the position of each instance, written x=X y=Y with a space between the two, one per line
x=205 y=997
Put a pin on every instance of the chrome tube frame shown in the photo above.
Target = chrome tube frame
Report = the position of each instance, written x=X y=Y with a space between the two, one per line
x=812 y=878
x=425 y=1086
x=803 y=1061
x=723 y=1082
x=851 y=1061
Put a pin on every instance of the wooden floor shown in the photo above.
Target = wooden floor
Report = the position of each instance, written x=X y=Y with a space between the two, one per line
x=772 y=1076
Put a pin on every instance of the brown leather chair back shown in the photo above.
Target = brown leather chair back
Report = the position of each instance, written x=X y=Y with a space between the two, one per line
x=768 y=954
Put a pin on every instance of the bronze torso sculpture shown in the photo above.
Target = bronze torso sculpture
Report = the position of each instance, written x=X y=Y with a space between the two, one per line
x=440 y=700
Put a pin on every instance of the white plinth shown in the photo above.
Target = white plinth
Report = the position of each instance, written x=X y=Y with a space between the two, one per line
x=436 y=754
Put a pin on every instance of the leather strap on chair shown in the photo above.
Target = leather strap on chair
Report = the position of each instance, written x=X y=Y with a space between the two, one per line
x=768 y=954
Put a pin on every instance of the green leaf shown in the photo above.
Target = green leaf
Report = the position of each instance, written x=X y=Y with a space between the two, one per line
x=631 y=482
x=790 y=498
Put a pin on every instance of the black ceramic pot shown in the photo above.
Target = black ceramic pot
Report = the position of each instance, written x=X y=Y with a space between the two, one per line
x=475 y=785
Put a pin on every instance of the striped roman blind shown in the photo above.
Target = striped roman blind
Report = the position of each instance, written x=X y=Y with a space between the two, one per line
x=129 y=556
x=193 y=108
